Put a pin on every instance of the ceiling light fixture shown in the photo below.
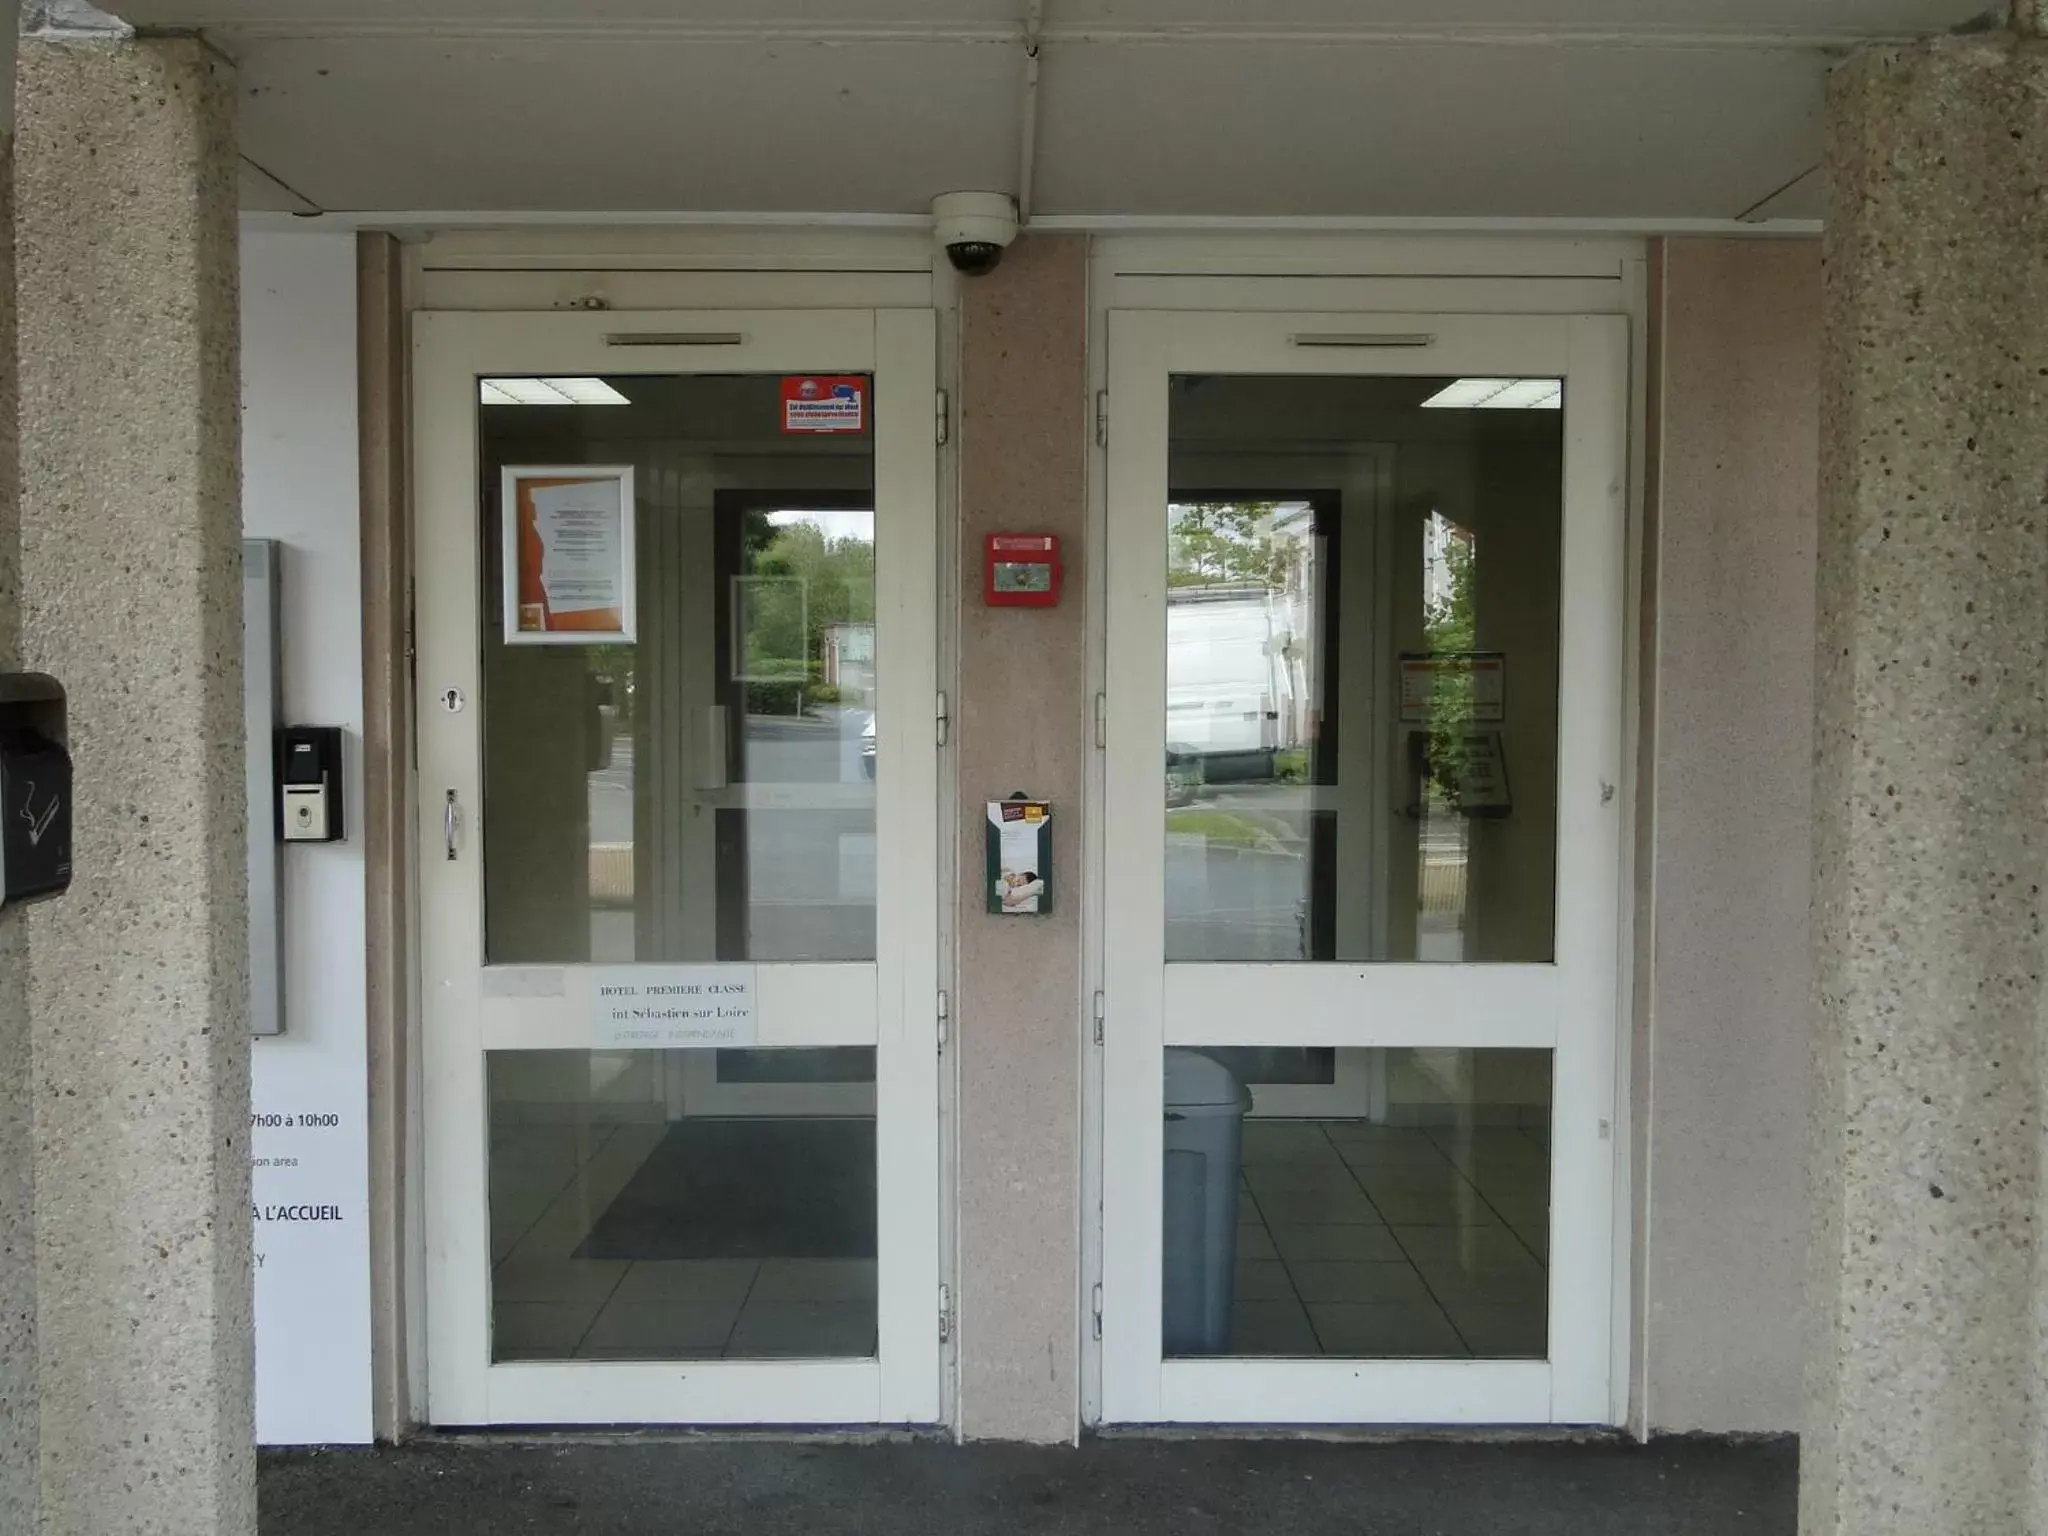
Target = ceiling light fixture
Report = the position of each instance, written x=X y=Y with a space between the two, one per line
x=1498 y=395
x=548 y=392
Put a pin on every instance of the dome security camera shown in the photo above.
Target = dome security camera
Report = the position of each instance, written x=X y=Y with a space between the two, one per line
x=974 y=227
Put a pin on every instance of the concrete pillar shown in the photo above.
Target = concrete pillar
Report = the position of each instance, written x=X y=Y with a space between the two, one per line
x=131 y=560
x=382 y=359
x=1926 y=1320
x=1727 y=807
x=1023 y=711
x=18 y=1501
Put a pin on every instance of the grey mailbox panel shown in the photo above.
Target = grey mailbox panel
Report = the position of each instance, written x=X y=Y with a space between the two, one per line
x=260 y=558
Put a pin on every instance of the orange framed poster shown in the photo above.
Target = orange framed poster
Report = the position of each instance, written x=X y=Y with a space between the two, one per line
x=567 y=554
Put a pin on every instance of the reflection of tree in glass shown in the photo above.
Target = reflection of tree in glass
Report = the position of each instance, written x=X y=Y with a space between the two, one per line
x=1450 y=627
x=786 y=636
x=1224 y=544
x=772 y=613
x=613 y=668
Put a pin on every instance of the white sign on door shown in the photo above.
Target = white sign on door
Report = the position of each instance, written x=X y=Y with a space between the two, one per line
x=668 y=1007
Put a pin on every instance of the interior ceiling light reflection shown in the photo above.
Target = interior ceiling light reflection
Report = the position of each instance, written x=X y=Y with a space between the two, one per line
x=1499 y=395
x=548 y=392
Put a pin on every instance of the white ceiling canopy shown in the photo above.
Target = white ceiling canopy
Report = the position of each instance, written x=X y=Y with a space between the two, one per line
x=1588 y=110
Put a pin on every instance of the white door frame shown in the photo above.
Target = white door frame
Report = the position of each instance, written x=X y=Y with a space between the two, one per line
x=889 y=1004
x=1570 y=1007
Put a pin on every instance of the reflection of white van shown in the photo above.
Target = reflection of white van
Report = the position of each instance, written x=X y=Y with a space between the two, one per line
x=1229 y=688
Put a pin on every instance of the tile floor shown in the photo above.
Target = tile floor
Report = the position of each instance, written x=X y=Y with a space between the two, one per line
x=550 y=1184
x=1361 y=1239
x=1353 y=1239
x=693 y=1309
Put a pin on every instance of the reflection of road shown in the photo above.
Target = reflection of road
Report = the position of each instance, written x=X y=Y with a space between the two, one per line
x=1237 y=874
x=611 y=796
x=1238 y=871
x=810 y=873
x=790 y=749
x=779 y=750
x=817 y=859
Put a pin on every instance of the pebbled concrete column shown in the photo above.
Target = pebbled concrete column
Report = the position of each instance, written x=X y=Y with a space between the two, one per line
x=1926 y=1317
x=131 y=559
x=19 y=1504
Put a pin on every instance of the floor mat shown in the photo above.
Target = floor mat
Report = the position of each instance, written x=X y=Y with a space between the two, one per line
x=747 y=1189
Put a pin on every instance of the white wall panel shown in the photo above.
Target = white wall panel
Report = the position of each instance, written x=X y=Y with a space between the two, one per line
x=300 y=488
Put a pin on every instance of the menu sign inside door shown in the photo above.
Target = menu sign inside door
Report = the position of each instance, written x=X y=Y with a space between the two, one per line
x=568 y=554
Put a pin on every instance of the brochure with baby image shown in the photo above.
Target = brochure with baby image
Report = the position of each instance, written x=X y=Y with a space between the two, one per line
x=1019 y=857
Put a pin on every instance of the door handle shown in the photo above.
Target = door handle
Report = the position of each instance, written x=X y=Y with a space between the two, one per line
x=675 y=339
x=451 y=824
x=1364 y=339
x=712 y=748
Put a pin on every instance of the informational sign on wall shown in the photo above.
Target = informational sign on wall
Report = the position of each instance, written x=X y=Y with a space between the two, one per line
x=669 y=1007
x=568 y=554
x=838 y=403
x=309 y=1202
x=1019 y=867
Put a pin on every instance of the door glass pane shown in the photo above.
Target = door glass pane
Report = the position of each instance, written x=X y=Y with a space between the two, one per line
x=706 y=790
x=1360 y=753
x=1407 y=1217
x=646 y=1207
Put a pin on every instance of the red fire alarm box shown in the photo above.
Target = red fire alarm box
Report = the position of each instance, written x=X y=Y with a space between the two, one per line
x=1021 y=570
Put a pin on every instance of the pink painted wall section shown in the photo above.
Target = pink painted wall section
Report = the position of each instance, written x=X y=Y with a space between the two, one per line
x=1021 y=715
x=1728 y=993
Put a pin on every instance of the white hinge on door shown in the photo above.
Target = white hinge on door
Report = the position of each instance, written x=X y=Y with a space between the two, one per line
x=1102 y=418
x=945 y=1021
x=943 y=428
x=945 y=1313
x=1101 y=1012
x=1102 y=720
x=1097 y=1303
x=941 y=719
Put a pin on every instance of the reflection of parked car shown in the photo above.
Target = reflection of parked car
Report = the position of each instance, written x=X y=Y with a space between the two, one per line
x=1232 y=696
x=1183 y=775
x=867 y=746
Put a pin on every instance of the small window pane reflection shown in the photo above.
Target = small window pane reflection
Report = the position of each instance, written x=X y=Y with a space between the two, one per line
x=708 y=791
x=1360 y=738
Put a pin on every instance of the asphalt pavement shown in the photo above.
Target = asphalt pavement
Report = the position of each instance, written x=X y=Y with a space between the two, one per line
x=1112 y=1487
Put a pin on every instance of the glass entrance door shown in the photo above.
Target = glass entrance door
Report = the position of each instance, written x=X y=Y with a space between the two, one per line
x=1363 y=856
x=678 y=867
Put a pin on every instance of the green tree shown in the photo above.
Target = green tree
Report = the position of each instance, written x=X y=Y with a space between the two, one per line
x=1450 y=628
x=1224 y=544
x=613 y=669
x=831 y=581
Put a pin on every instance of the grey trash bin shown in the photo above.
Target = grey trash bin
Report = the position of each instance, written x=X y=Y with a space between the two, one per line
x=1205 y=1109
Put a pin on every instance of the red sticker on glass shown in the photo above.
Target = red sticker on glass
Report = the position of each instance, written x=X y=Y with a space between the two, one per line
x=817 y=403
